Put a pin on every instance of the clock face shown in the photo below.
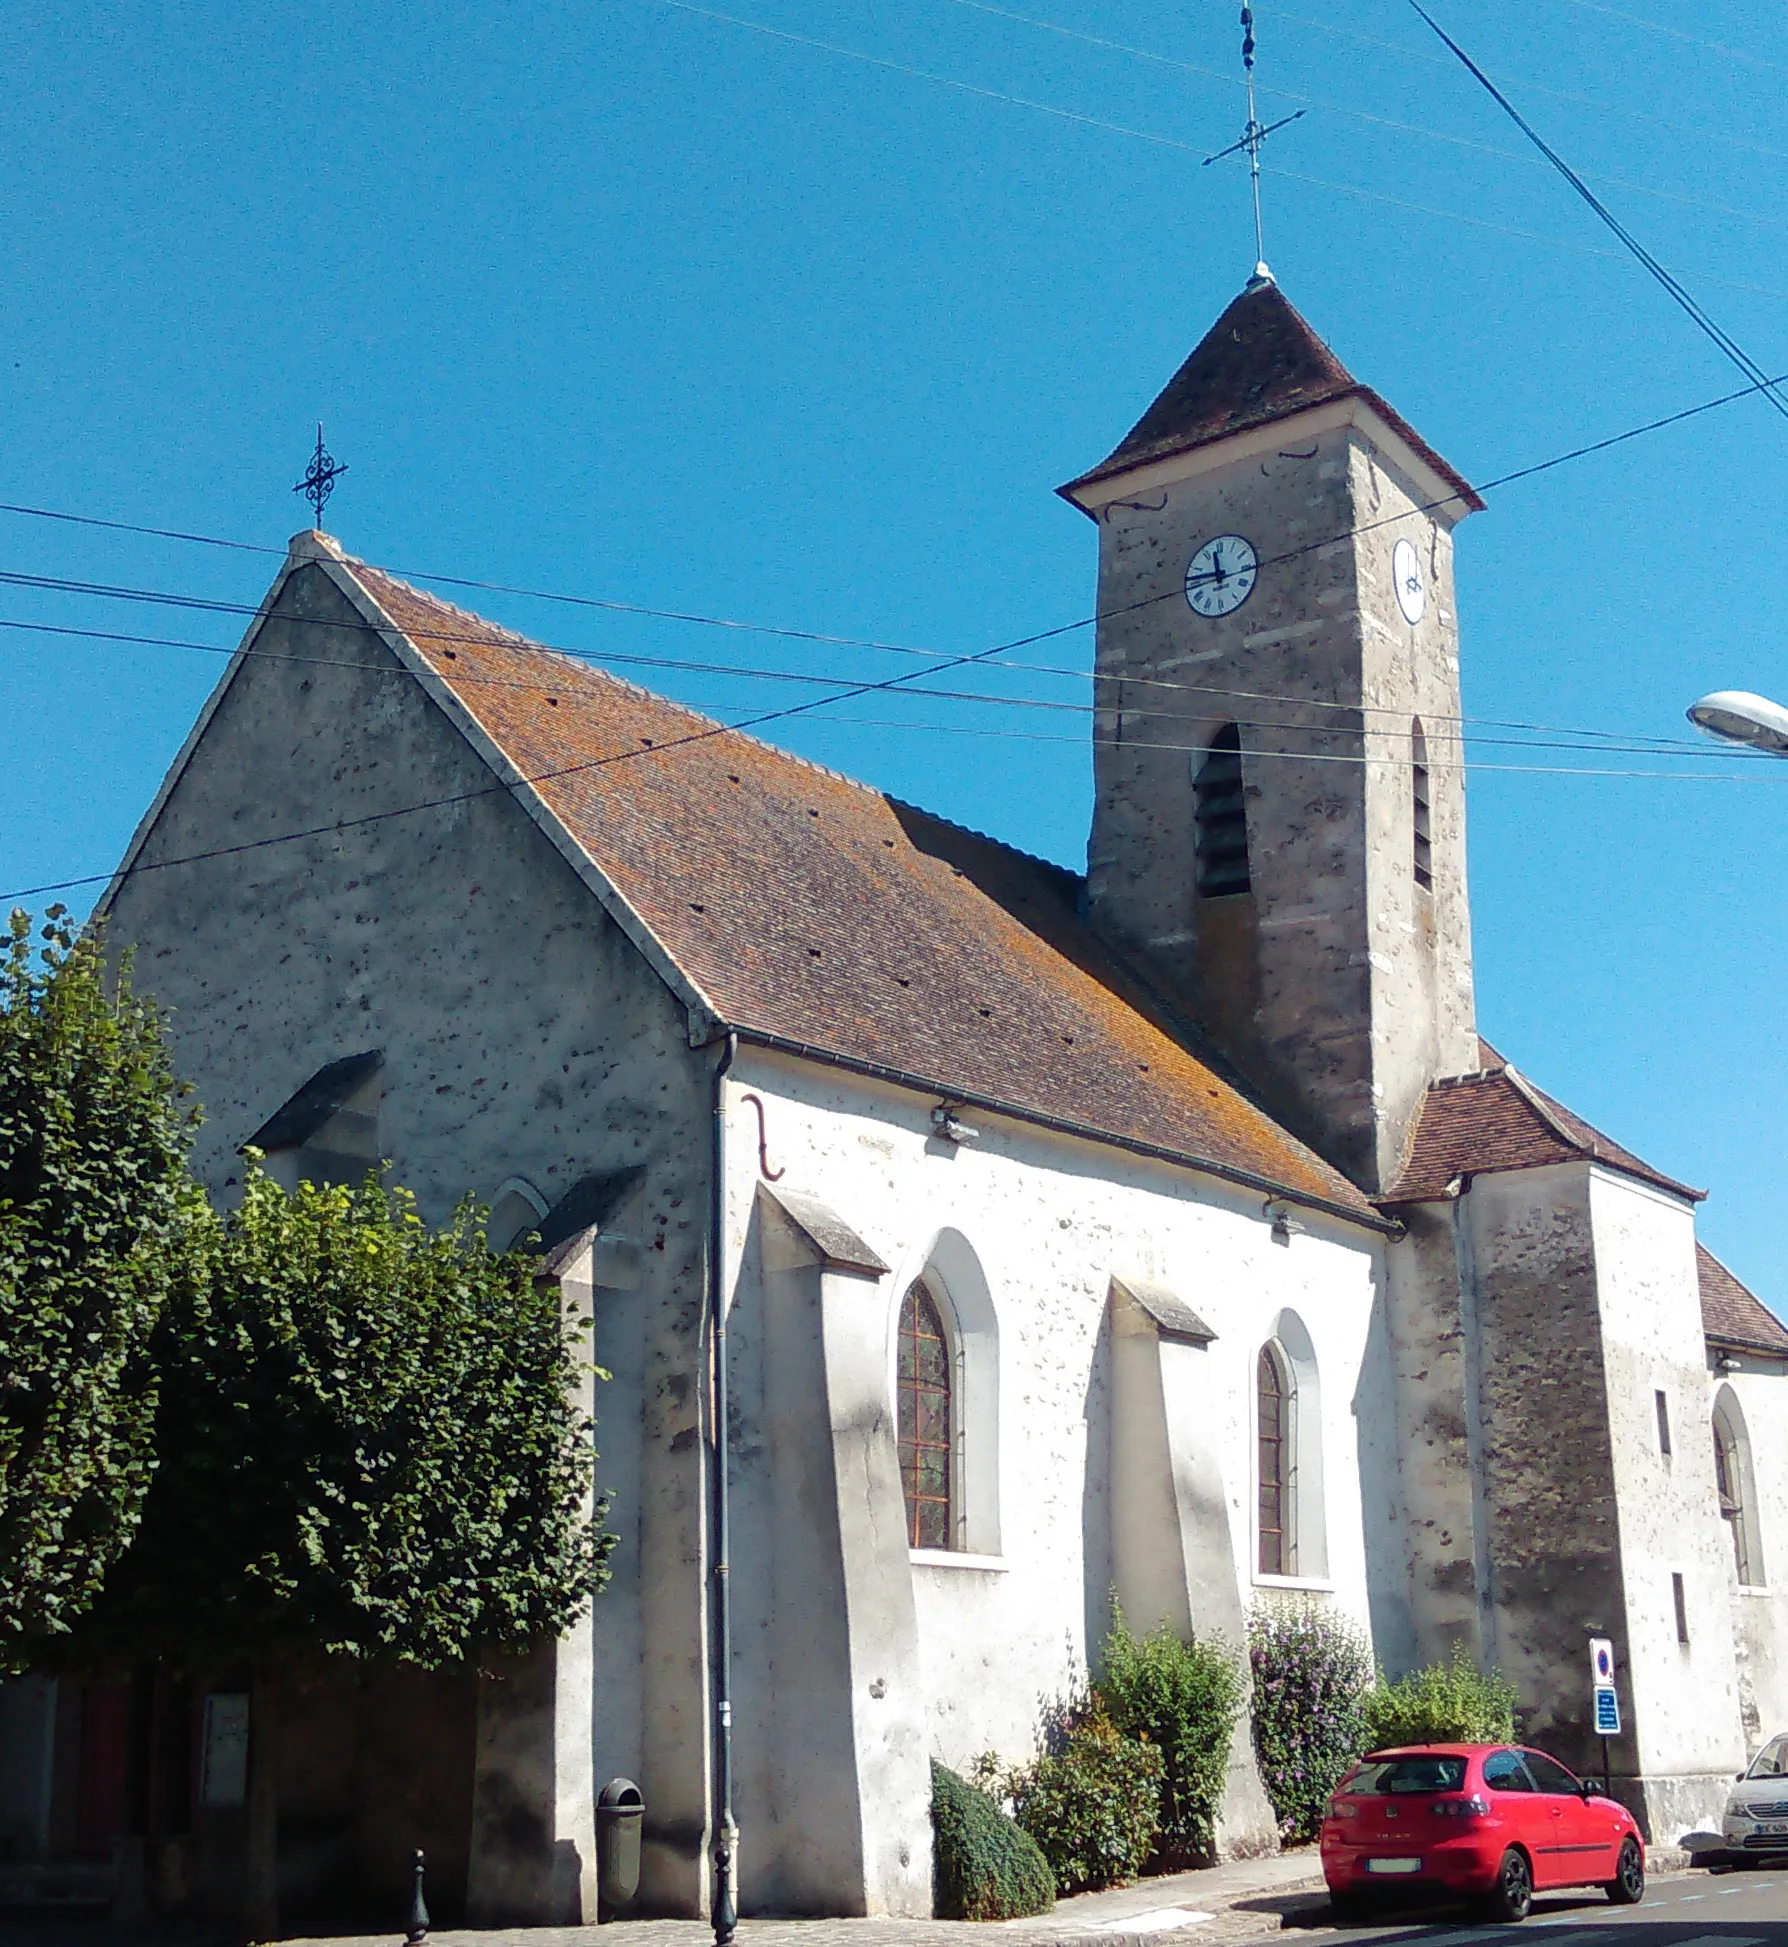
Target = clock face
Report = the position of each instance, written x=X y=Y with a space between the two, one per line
x=1221 y=575
x=1406 y=572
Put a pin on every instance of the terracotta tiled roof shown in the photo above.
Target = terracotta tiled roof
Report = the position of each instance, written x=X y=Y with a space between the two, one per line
x=813 y=910
x=1731 y=1315
x=1477 y=1125
x=1259 y=362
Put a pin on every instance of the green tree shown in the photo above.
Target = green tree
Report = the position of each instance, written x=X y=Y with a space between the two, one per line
x=1183 y=1698
x=93 y=1189
x=373 y=1449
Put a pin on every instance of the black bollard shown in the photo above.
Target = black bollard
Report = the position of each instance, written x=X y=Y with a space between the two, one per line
x=418 y=1921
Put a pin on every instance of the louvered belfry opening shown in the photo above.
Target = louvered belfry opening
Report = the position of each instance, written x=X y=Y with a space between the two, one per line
x=1220 y=815
x=1424 y=845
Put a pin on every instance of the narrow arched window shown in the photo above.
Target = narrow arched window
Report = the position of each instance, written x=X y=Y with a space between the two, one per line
x=1419 y=791
x=1220 y=817
x=1732 y=1477
x=925 y=1382
x=1274 y=1410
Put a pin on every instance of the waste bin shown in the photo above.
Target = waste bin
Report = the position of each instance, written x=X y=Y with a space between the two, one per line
x=620 y=1811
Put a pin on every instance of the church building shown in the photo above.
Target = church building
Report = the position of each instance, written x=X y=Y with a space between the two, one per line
x=1168 y=1230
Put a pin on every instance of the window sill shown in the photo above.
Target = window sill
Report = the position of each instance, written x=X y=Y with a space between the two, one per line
x=956 y=1558
x=1755 y=1588
x=1314 y=1584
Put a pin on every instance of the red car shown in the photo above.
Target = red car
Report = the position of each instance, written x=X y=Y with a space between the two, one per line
x=1489 y=1823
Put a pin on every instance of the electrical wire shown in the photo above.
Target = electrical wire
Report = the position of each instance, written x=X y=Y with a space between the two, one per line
x=1677 y=34
x=1399 y=127
x=1678 y=293
x=1548 y=736
x=1755 y=769
x=993 y=660
x=1540 y=88
x=1171 y=142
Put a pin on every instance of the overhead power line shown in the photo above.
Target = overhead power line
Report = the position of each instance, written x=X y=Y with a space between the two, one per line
x=1164 y=141
x=1692 y=306
x=1396 y=126
x=1541 y=737
x=1761 y=769
x=993 y=659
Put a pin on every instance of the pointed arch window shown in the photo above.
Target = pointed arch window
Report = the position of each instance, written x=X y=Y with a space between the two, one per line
x=1420 y=791
x=1275 y=1405
x=1732 y=1477
x=1220 y=817
x=926 y=1390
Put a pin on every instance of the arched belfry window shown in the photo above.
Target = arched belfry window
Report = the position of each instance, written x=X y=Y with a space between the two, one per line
x=1420 y=792
x=1732 y=1477
x=926 y=1386
x=1220 y=817
x=1275 y=1406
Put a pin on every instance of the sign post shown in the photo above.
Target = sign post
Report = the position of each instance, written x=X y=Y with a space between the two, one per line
x=1606 y=1700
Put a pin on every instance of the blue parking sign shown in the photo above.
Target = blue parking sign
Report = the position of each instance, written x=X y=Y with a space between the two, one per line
x=1607 y=1710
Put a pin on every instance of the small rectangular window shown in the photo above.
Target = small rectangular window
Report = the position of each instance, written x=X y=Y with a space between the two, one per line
x=1663 y=1423
x=1682 y=1609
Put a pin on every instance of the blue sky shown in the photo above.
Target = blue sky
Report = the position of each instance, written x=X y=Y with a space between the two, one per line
x=634 y=302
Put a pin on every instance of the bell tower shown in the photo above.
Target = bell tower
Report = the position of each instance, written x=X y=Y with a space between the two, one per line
x=1279 y=812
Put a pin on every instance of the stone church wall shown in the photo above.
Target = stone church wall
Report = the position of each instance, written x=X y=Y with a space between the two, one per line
x=523 y=1037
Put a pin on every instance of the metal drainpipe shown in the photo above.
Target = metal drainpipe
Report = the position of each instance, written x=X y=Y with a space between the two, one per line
x=726 y=1837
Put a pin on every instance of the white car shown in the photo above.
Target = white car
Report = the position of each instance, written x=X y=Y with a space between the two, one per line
x=1756 y=1821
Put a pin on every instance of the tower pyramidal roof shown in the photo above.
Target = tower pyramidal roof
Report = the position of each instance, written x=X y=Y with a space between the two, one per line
x=1259 y=362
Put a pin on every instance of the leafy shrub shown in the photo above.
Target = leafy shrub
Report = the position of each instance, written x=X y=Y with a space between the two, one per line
x=1094 y=1807
x=987 y=1867
x=1446 y=1703
x=1182 y=1698
x=1312 y=1672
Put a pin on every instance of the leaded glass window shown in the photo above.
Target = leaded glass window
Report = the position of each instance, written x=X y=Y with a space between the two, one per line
x=927 y=1421
x=1273 y=1412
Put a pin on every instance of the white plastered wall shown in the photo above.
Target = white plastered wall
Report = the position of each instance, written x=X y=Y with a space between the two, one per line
x=1760 y=1611
x=1685 y=1695
x=1048 y=1219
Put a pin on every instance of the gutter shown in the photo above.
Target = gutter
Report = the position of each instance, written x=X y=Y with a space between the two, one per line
x=1066 y=1126
x=726 y=1833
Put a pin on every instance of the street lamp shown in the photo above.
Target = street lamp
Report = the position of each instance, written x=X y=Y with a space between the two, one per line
x=1738 y=717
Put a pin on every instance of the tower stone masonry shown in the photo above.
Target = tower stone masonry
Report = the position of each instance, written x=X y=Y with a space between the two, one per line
x=1327 y=970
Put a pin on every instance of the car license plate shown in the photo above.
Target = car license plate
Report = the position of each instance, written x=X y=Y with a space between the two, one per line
x=1393 y=1865
x=1772 y=1825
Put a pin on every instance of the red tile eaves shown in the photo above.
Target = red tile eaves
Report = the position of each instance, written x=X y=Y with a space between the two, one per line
x=1733 y=1316
x=816 y=912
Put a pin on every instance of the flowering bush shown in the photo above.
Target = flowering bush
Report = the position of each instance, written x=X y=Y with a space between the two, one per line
x=1446 y=1703
x=1312 y=1674
x=1183 y=1698
x=1093 y=1807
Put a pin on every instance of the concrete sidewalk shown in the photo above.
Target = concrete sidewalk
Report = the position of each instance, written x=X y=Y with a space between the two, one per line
x=1221 y=1904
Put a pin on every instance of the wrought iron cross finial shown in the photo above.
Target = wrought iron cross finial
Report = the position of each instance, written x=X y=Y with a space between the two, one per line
x=319 y=479
x=1253 y=137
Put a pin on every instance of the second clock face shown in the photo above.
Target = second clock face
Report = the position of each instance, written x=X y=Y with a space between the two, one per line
x=1406 y=572
x=1221 y=575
